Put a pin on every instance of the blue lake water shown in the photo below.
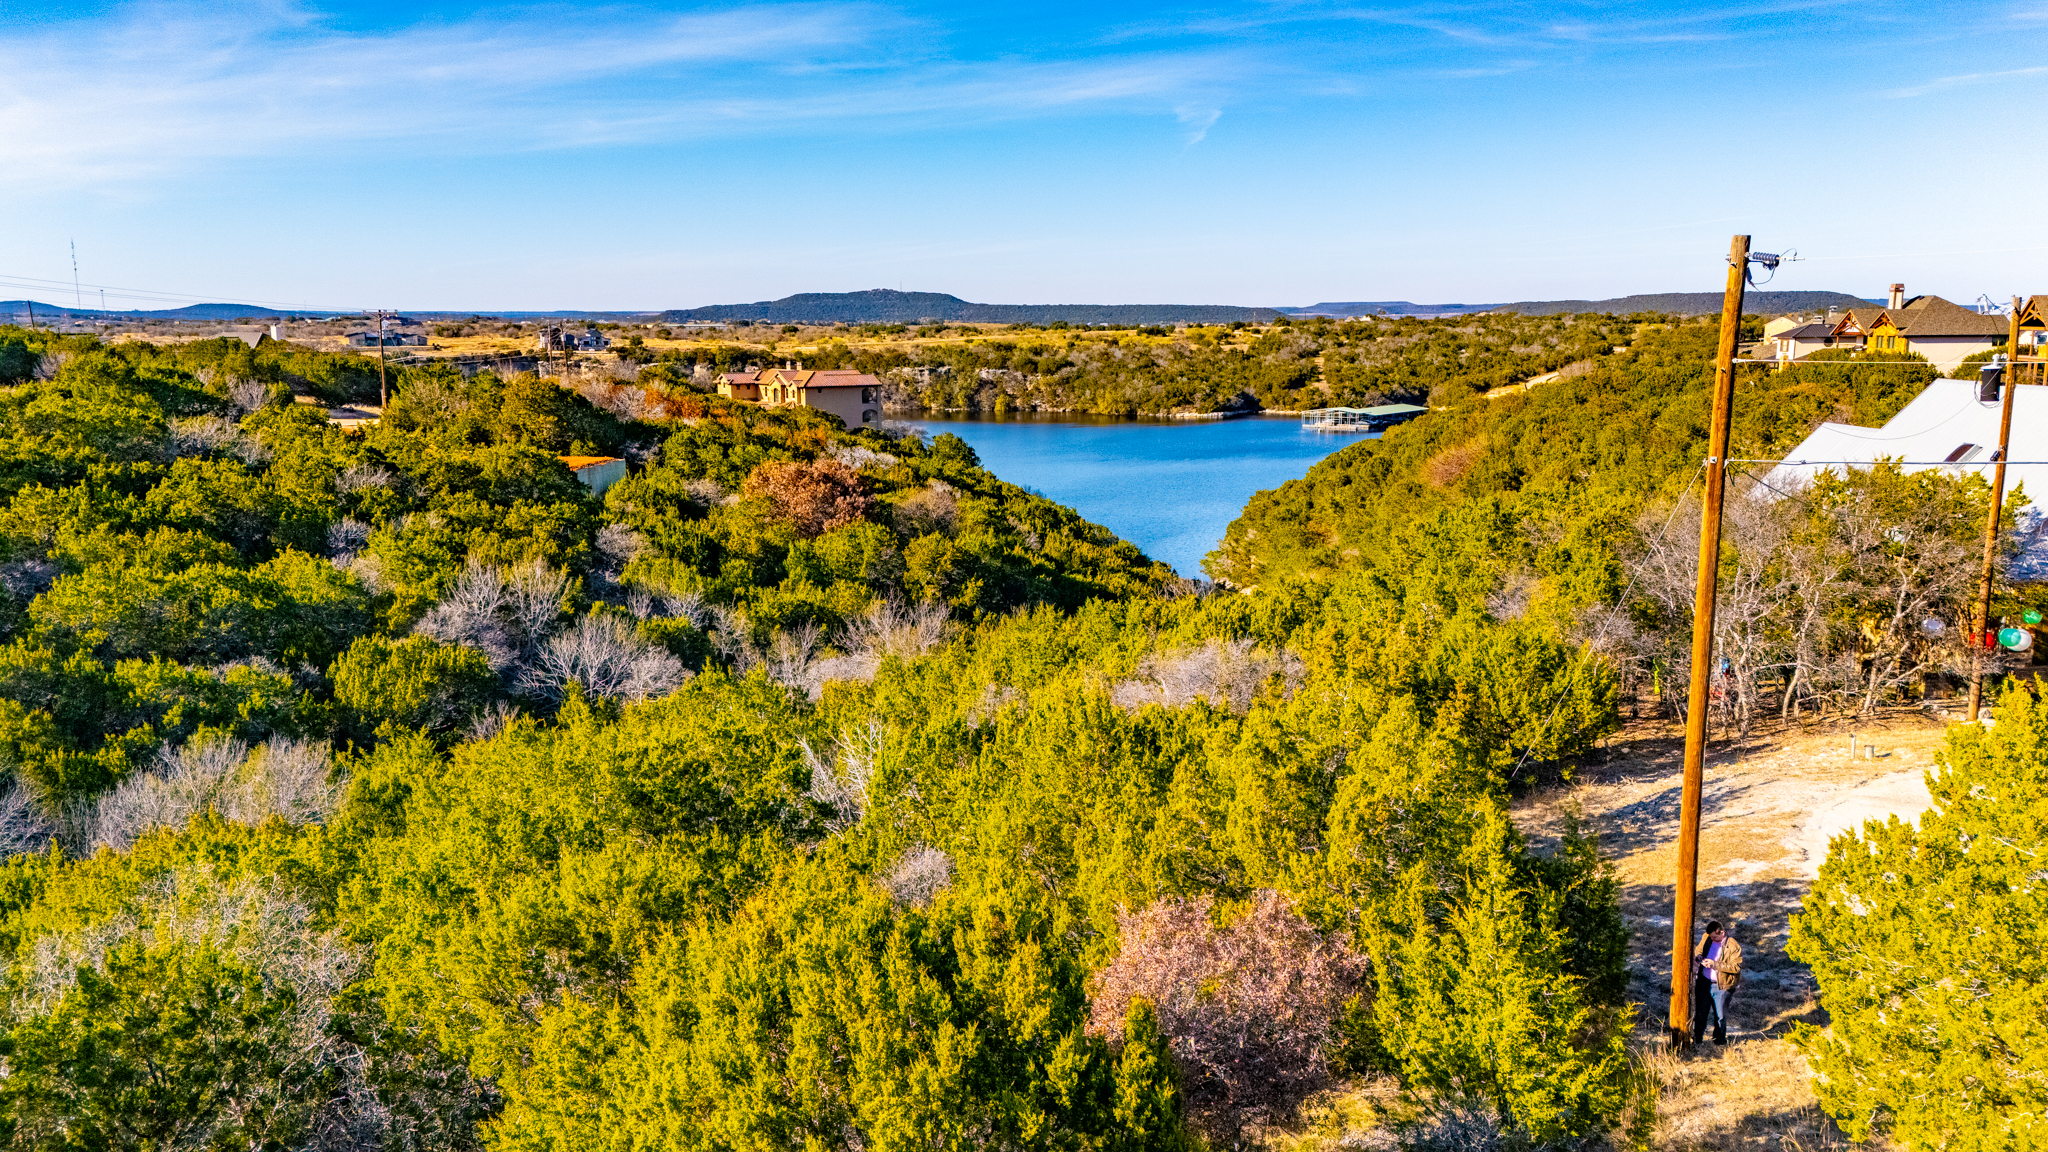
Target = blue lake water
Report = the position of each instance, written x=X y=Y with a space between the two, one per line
x=1171 y=487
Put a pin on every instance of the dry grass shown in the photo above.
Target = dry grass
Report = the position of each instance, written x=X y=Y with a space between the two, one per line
x=1752 y=1094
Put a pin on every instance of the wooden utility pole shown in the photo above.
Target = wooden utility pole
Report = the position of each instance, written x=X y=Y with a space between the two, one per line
x=383 y=388
x=1703 y=645
x=1980 y=622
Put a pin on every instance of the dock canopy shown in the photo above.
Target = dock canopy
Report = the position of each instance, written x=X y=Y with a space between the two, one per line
x=1359 y=419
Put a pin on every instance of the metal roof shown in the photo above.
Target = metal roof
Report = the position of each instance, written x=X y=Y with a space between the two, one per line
x=1927 y=433
x=1379 y=410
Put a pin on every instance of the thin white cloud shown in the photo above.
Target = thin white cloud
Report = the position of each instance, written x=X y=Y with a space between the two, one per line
x=1198 y=118
x=1974 y=78
x=162 y=89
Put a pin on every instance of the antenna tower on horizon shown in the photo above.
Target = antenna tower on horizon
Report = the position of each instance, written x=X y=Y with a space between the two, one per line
x=77 y=295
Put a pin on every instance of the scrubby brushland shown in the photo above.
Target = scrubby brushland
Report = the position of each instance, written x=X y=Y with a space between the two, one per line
x=1836 y=597
x=386 y=789
x=1573 y=510
x=1289 y=365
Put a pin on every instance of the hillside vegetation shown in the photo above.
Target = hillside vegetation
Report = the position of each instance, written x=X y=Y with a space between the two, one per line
x=814 y=788
x=1288 y=366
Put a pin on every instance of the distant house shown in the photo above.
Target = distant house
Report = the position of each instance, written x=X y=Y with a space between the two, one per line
x=1795 y=337
x=1944 y=332
x=741 y=385
x=391 y=339
x=596 y=472
x=854 y=397
x=562 y=340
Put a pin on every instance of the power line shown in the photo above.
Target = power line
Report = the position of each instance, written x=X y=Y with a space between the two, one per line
x=14 y=280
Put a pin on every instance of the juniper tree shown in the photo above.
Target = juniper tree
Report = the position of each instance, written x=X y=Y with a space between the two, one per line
x=1930 y=946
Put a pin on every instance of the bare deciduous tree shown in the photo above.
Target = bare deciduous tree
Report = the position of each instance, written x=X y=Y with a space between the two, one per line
x=603 y=655
x=284 y=778
x=618 y=544
x=24 y=826
x=493 y=720
x=265 y=926
x=506 y=615
x=27 y=579
x=248 y=395
x=1831 y=589
x=363 y=477
x=936 y=509
x=856 y=457
x=1227 y=673
x=199 y=435
x=346 y=537
x=919 y=876
x=839 y=781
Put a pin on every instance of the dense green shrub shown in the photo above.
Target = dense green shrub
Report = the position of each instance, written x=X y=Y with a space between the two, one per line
x=1930 y=948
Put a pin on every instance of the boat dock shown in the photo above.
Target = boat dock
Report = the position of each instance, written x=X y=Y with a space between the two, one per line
x=1376 y=419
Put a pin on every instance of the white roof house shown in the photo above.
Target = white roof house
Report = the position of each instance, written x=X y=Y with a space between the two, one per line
x=1944 y=427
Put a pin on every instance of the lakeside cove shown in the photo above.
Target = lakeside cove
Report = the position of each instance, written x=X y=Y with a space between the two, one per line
x=1171 y=487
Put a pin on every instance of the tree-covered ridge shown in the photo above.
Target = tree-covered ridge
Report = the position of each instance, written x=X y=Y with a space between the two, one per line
x=1288 y=365
x=1582 y=453
x=187 y=551
x=385 y=789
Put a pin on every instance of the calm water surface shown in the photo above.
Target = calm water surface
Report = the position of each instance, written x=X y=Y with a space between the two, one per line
x=1169 y=486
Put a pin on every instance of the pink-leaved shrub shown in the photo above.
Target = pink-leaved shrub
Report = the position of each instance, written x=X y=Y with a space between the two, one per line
x=1249 y=1010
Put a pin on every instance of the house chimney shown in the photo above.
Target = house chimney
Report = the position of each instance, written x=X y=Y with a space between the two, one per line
x=1898 y=297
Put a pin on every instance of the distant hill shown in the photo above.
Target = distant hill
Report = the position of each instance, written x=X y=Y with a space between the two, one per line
x=13 y=308
x=1687 y=304
x=1681 y=303
x=888 y=306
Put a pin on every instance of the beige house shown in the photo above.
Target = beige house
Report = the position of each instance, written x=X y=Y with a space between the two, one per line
x=1790 y=339
x=854 y=397
x=1944 y=332
x=740 y=385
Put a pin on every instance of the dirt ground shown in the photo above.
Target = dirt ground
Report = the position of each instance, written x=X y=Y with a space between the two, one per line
x=1769 y=807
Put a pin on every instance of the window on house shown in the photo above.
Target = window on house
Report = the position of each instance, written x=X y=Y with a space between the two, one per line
x=1963 y=452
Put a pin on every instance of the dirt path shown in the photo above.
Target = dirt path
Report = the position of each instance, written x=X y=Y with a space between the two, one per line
x=1768 y=811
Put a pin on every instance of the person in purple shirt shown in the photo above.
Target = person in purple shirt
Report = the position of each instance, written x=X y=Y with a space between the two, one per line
x=1717 y=970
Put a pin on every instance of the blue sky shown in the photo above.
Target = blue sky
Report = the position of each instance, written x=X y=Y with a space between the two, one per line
x=652 y=156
